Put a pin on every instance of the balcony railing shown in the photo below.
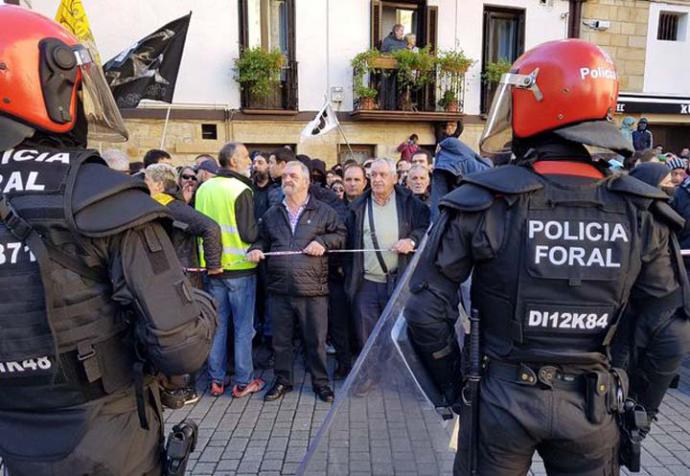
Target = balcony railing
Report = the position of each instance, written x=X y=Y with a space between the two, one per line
x=283 y=97
x=393 y=97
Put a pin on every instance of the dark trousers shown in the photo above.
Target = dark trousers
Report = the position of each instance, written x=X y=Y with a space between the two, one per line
x=516 y=420
x=339 y=322
x=312 y=315
x=369 y=303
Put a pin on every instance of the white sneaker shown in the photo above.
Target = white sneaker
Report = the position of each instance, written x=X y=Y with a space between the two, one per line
x=330 y=350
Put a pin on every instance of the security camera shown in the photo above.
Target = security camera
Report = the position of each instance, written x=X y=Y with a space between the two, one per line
x=600 y=25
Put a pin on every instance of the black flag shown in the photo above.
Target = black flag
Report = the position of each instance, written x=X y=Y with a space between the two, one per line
x=148 y=69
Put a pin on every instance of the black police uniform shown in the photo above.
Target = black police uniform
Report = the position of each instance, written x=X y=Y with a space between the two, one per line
x=92 y=300
x=556 y=259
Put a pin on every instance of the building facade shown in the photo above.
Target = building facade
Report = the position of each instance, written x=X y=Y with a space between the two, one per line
x=319 y=39
x=650 y=44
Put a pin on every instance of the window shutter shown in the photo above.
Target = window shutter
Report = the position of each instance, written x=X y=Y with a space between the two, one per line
x=431 y=28
x=244 y=35
x=376 y=14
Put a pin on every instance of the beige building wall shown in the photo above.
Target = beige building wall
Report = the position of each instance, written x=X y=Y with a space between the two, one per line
x=625 y=40
x=184 y=141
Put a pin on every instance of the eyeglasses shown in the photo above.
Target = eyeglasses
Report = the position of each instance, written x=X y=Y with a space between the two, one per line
x=188 y=177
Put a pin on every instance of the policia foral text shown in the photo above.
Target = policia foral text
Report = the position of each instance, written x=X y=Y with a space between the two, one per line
x=576 y=275
x=92 y=297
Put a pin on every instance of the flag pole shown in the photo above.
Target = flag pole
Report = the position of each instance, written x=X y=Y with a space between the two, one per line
x=165 y=126
x=342 y=133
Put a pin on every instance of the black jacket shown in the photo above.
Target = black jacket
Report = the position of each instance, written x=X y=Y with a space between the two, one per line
x=299 y=275
x=261 y=203
x=189 y=225
x=413 y=221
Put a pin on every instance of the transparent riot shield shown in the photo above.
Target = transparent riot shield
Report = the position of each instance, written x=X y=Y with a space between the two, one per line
x=387 y=419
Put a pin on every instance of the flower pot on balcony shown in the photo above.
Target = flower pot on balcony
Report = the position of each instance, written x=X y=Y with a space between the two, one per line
x=384 y=62
x=452 y=106
x=367 y=104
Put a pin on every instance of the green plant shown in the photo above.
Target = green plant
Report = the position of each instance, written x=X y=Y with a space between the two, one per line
x=415 y=69
x=454 y=62
x=365 y=92
x=361 y=66
x=448 y=97
x=495 y=69
x=258 y=70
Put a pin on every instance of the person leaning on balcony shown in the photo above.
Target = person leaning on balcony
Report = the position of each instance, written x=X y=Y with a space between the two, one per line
x=411 y=42
x=395 y=40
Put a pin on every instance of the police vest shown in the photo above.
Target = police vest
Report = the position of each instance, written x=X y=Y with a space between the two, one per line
x=216 y=199
x=62 y=338
x=554 y=289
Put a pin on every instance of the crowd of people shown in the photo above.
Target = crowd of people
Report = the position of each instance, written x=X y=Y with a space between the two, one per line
x=260 y=232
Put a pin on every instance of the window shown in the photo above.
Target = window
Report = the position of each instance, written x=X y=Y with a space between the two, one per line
x=504 y=39
x=414 y=15
x=270 y=25
x=267 y=25
x=672 y=26
x=209 y=131
x=360 y=152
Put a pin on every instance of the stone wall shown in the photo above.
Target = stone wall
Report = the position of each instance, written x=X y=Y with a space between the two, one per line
x=625 y=40
x=184 y=140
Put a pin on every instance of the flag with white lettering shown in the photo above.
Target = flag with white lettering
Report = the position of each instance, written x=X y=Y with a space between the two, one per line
x=148 y=69
x=324 y=122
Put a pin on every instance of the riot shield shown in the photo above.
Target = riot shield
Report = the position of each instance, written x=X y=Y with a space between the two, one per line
x=387 y=418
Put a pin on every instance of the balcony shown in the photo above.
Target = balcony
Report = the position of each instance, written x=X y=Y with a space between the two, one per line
x=281 y=97
x=409 y=86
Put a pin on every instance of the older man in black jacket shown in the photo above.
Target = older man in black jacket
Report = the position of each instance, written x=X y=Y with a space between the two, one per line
x=298 y=283
x=386 y=217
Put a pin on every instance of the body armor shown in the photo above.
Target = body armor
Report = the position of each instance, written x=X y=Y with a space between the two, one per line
x=553 y=276
x=63 y=340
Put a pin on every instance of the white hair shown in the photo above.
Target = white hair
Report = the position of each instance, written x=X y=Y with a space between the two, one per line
x=162 y=173
x=116 y=160
x=303 y=168
x=392 y=168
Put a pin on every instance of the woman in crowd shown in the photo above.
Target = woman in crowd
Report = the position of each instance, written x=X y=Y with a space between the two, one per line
x=338 y=187
x=189 y=225
x=187 y=183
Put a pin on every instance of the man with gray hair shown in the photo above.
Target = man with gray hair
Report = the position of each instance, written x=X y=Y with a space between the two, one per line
x=388 y=218
x=297 y=284
x=116 y=160
x=228 y=200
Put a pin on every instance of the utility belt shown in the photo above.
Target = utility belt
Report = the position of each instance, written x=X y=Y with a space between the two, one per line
x=90 y=372
x=605 y=390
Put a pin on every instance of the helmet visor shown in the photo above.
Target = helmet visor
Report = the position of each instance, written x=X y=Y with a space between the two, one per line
x=102 y=113
x=498 y=132
x=497 y=137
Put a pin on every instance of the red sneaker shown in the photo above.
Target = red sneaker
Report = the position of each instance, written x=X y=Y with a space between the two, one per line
x=256 y=385
x=217 y=389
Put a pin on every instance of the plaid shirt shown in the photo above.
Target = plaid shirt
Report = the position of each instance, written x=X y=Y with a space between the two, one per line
x=294 y=217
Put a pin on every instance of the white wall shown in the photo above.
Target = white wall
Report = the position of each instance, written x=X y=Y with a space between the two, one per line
x=667 y=68
x=542 y=23
x=205 y=75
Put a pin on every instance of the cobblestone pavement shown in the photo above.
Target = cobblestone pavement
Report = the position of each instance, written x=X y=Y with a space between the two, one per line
x=248 y=436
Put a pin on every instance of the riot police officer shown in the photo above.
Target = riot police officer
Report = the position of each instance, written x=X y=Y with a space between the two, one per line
x=92 y=297
x=561 y=253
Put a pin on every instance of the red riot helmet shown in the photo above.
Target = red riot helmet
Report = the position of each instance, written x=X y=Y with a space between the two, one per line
x=566 y=87
x=47 y=80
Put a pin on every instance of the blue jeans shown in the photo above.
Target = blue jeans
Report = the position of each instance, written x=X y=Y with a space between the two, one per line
x=235 y=298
